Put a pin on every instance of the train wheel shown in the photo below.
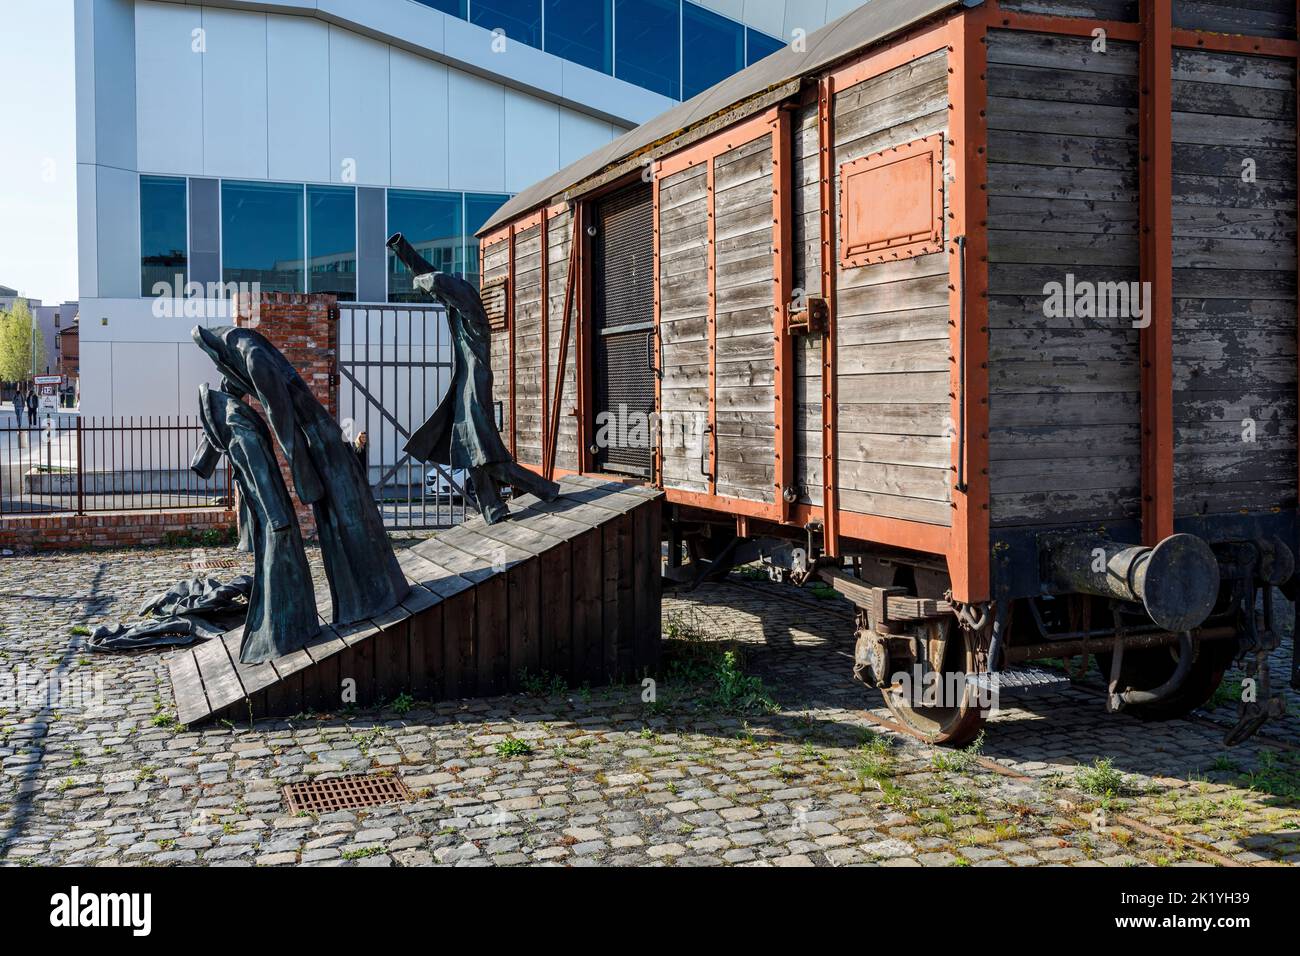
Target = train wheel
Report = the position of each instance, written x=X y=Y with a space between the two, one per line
x=1150 y=668
x=952 y=725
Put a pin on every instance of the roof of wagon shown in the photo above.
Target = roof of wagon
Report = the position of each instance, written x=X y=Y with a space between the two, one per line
x=867 y=25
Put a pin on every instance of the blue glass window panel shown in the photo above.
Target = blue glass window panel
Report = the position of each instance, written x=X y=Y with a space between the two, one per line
x=479 y=207
x=582 y=31
x=713 y=48
x=455 y=7
x=647 y=38
x=262 y=235
x=761 y=45
x=164 y=233
x=332 y=241
x=520 y=19
x=432 y=222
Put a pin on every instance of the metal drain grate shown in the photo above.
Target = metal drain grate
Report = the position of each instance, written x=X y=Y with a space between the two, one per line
x=344 y=793
x=208 y=565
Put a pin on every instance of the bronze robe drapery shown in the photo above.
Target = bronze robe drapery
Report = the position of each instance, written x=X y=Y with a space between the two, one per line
x=364 y=577
x=282 y=604
x=462 y=431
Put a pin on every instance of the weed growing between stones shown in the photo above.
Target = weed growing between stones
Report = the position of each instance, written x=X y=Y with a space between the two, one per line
x=1101 y=779
x=960 y=761
x=711 y=672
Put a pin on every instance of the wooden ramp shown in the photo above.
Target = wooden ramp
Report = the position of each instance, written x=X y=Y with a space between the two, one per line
x=570 y=589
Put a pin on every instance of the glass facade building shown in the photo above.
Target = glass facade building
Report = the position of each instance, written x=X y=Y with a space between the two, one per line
x=164 y=232
x=309 y=237
x=262 y=239
x=673 y=47
x=304 y=237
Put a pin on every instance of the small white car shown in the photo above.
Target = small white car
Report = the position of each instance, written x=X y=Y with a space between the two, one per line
x=436 y=484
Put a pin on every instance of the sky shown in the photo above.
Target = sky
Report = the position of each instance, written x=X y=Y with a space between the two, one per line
x=38 y=171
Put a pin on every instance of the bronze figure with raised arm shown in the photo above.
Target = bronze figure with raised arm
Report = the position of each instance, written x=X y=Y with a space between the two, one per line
x=462 y=432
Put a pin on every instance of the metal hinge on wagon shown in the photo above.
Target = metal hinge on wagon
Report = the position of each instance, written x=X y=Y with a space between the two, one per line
x=812 y=319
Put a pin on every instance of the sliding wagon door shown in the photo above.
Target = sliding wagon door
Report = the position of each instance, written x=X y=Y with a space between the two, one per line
x=719 y=329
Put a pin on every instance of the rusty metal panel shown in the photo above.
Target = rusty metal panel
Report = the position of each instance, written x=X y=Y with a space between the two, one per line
x=891 y=204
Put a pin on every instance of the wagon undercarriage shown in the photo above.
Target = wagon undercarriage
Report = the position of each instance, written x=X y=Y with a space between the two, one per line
x=1162 y=624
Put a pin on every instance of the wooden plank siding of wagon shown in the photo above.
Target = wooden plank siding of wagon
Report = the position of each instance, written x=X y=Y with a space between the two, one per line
x=528 y=338
x=1234 y=346
x=807 y=266
x=896 y=386
x=562 y=379
x=496 y=266
x=1090 y=449
x=683 y=326
x=1055 y=146
x=716 y=311
x=744 y=375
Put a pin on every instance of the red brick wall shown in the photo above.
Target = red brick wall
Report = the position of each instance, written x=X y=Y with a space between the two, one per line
x=306 y=329
x=114 y=529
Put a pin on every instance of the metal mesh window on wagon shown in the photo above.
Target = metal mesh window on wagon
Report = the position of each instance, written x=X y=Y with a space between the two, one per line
x=624 y=326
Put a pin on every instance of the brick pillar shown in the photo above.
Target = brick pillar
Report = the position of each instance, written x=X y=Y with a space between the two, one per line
x=306 y=329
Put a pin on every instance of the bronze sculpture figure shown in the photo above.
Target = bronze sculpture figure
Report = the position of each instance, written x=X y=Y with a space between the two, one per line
x=282 y=605
x=364 y=577
x=462 y=432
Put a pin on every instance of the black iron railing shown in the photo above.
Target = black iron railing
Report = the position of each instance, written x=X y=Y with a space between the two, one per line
x=62 y=464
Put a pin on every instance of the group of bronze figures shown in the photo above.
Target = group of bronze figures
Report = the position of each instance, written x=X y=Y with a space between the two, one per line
x=363 y=574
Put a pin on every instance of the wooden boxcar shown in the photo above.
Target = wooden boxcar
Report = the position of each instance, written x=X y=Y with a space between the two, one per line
x=987 y=311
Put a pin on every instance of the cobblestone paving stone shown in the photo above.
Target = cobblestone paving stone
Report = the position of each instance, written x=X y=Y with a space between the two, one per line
x=598 y=777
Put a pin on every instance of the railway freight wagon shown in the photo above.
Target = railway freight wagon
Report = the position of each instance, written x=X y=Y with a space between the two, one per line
x=985 y=313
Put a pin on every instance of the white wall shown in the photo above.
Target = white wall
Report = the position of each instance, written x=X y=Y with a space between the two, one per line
x=107 y=189
x=140 y=364
x=249 y=95
x=259 y=90
x=298 y=142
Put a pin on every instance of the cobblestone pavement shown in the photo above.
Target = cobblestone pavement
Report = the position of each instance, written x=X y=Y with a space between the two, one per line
x=707 y=774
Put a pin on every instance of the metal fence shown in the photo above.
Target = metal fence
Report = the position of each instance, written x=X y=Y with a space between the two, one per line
x=70 y=464
x=395 y=365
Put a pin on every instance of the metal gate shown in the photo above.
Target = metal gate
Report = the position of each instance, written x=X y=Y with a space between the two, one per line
x=623 y=321
x=395 y=364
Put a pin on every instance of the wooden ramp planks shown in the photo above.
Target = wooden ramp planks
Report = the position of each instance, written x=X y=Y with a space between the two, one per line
x=569 y=588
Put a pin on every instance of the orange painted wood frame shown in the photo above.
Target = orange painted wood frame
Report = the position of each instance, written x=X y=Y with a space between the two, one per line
x=830 y=344
x=552 y=438
x=510 y=352
x=783 y=292
x=967 y=162
x=657 y=355
x=1156 y=170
